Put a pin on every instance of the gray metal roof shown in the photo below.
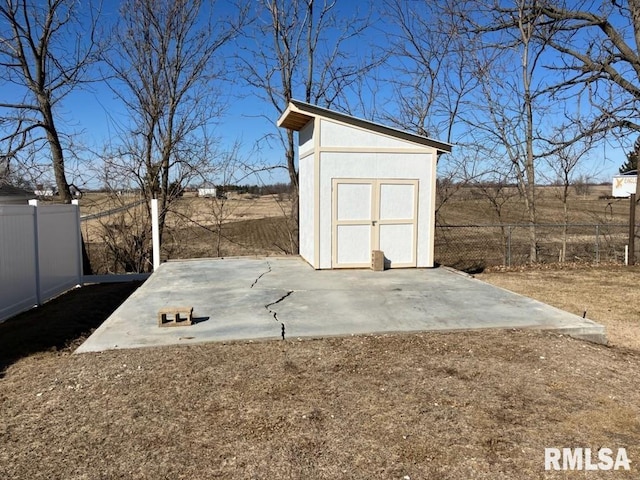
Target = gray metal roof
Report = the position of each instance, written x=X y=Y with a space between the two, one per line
x=298 y=114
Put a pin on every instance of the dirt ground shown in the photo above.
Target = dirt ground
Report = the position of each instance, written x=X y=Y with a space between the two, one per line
x=423 y=406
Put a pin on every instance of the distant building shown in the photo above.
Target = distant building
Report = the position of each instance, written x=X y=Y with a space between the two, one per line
x=207 y=192
x=45 y=192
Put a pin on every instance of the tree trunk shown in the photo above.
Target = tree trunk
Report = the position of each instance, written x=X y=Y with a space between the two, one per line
x=57 y=154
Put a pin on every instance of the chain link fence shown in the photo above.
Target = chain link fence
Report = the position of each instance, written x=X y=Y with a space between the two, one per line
x=475 y=247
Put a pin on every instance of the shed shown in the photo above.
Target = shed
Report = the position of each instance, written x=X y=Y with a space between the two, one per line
x=10 y=195
x=363 y=187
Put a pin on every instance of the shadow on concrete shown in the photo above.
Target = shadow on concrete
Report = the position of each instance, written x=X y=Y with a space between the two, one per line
x=197 y=320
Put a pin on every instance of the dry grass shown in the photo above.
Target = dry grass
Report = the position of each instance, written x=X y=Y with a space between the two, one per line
x=607 y=293
x=483 y=243
x=464 y=405
x=433 y=405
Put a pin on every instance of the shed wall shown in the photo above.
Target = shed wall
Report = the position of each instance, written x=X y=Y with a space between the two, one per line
x=306 y=224
x=338 y=135
x=306 y=140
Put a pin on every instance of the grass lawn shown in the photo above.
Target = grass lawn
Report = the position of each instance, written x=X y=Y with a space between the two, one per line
x=432 y=405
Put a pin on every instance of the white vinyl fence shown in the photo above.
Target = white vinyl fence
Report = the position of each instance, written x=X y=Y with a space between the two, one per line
x=40 y=254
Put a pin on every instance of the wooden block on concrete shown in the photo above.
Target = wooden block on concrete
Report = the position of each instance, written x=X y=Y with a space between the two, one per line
x=377 y=260
x=175 y=316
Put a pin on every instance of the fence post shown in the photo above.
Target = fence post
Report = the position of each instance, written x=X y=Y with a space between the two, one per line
x=597 y=243
x=34 y=203
x=509 y=247
x=155 y=233
x=80 y=271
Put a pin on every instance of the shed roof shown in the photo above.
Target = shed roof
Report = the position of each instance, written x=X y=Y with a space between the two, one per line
x=9 y=191
x=298 y=114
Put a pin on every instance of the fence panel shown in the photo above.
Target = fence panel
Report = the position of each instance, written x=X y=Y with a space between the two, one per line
x=474 y=247
x=40 y=255
x=59 y=254
x=18 y=285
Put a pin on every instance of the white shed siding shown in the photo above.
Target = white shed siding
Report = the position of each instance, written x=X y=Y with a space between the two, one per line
x=306 y=140
x=378 y=165
x=336 y=135
x=306 y=222
x=428 y=243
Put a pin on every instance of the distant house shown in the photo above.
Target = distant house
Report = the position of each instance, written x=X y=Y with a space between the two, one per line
x=45 y=192
x=207 y=192
x=10 y=195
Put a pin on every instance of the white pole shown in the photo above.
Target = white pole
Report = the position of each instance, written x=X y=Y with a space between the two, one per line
x=36 y=243
x=155 y=233
x=76 y=202
x=626 y=254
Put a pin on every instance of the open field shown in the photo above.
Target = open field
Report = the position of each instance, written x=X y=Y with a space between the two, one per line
x=469 y=206
x=471 y=236
x=195 y=227
x=248 y=225
x=433 y=405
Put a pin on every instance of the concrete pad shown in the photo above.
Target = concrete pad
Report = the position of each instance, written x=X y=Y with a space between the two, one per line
x=253 y=298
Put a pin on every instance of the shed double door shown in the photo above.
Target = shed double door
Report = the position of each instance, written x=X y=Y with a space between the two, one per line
x=374 y=214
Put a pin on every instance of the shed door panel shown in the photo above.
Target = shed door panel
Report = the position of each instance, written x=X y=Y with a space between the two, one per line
x=397 y=221
x=354 y=202
x=353 y=212
x=371 y=214
x=397 y=243
x=397 y=201
x=354 y=245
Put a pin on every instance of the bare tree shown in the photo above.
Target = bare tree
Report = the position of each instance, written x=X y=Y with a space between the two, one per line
x=599 y=57
x=307 y=60
x=164 y=66
x=428 y=54
x=599 y=54
x=514 y=101
x=563 y=162
x=46 y=51
x=428 y=57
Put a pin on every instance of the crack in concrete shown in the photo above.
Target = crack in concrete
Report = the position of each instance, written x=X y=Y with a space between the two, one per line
x=275 y=314
x=272 y=312
x=261 y=275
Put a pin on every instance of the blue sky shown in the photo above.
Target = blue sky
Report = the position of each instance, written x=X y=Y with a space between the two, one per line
x=249 y=118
